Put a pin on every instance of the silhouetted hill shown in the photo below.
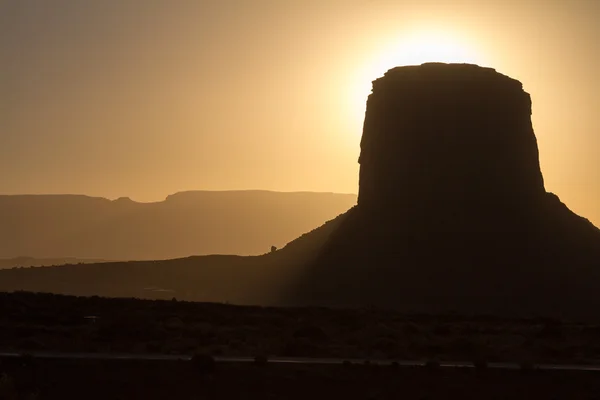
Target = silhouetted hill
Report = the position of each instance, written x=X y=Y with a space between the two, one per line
x=43 y=262
x=185 y=224
x=260 y=279
x=452 y=212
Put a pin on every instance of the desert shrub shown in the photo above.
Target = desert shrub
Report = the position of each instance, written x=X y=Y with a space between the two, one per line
x=25 y=331
x=442 y=330
x=299 y=348
x=154 y=347
x=527 y=342
x=432 y=365
x=261 y=361
x=314 y=333
x=480 y=364
x=469 y=329
x=591 y=331
x=204 y=363
x=551 y=331
x=181 y=345
x=431 y=349
x=464 y=346
x=8 y=389
x=134 y=326
x=27 y=360
x=526 y=366
x=553 y=352
x=411 y=329
x=174 y=323
x=30 y=344
x=385 y=345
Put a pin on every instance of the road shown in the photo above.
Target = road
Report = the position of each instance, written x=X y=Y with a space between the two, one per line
x=293 y=360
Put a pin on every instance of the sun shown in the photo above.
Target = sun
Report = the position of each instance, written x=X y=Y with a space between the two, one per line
x=409 y=48
x=429 y=46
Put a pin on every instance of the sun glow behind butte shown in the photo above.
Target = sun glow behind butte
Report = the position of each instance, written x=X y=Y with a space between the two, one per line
x=412 y=48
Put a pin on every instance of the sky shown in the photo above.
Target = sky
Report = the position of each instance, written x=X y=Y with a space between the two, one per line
x=141 y=99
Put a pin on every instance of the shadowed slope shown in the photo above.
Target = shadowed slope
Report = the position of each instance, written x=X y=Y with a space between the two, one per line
x=216 y=278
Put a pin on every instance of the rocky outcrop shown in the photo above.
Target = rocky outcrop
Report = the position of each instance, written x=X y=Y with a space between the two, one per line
x=452 y=212
x=436 y=134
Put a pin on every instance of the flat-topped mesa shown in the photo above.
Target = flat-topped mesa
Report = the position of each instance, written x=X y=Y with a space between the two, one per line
x=437 y=133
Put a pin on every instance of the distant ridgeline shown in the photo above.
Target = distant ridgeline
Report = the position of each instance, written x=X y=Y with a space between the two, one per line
x=452 y=216
x=25 y=262
x=190 y=223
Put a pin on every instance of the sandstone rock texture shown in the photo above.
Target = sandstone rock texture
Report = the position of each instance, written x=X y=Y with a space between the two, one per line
x=452 y=212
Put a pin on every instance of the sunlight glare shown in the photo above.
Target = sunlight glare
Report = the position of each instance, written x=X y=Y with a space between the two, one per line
x=415 y=48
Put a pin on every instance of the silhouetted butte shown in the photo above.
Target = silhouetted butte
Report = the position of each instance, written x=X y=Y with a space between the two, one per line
x=452 y=212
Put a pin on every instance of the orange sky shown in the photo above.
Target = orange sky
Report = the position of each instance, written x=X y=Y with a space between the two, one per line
x=142 y=99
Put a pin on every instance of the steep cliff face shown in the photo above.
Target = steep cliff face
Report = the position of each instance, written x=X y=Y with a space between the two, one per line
x=447 y=133
x=452 y=212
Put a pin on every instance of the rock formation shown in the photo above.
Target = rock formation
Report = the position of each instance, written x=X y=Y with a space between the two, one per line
x=452 y=212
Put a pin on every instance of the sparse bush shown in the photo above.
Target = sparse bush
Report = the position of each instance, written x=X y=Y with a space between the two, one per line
x=31 y=344
x=174 y=323
x=311 y=332
x=299 y=348
x=204 y=363
x=27 y=360
x=442 y=330
x=464 y=346
x=433 y=365
x=480 y=364
x=138 y=326
x=469 y=330
x=385 y=345
x=8 y=390
x=411 y=329
x=261 y=361
x=526 y=366
x=552 y=330
x=154 y=347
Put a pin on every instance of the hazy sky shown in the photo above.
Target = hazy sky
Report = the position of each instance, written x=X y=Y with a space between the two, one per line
x=143 y=98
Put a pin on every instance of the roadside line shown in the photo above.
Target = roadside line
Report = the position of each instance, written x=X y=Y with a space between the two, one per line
x=293 y=360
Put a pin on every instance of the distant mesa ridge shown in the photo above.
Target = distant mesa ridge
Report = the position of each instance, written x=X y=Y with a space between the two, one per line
x=452 y=212
x=184 y=224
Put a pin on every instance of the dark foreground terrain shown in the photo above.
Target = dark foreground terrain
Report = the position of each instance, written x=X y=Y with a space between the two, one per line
x=89 y=379
x=55 y=323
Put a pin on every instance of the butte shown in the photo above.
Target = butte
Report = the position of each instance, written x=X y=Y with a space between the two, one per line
x=452 y=213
